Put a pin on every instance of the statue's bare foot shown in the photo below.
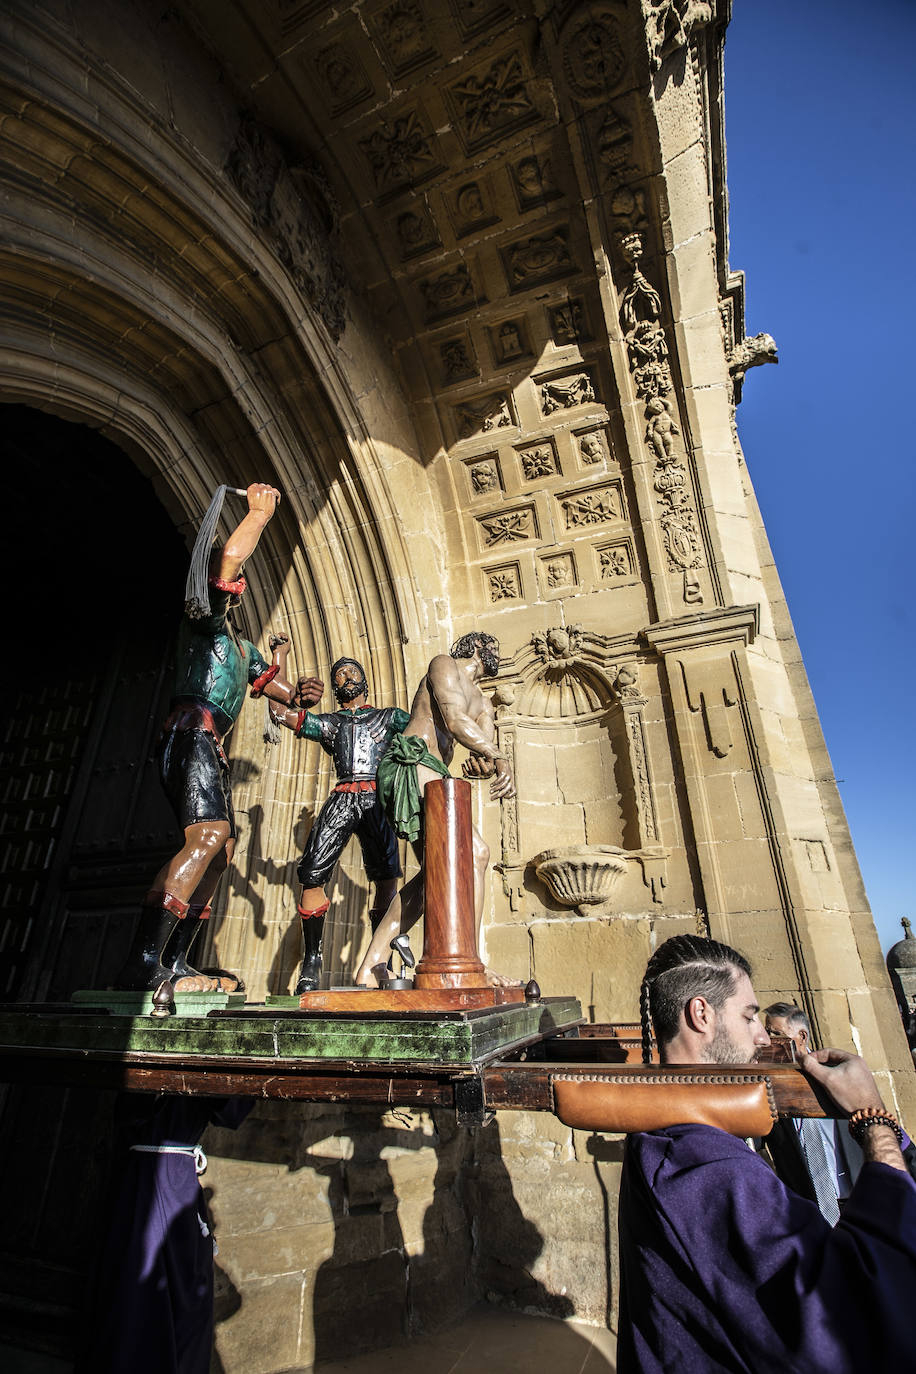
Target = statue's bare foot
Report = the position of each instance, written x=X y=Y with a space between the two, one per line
x=195 y=982
x=225 y=981
x=376 y=976
x=499 y=980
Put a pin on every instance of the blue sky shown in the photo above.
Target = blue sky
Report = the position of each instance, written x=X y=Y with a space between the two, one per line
x=819 y=114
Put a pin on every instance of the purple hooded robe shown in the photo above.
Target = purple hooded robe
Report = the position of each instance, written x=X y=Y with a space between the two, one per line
x=153 y=1303
x=724 y=1268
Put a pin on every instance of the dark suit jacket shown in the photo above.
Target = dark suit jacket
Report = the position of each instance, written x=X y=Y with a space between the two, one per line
x=787 y=1157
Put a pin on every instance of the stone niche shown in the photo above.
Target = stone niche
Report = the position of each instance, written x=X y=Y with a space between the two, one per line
x=571 y=718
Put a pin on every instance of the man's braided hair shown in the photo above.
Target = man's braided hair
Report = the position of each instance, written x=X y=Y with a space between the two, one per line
x=683 y=967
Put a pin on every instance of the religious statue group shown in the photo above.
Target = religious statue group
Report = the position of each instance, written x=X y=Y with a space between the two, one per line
x=383 y=759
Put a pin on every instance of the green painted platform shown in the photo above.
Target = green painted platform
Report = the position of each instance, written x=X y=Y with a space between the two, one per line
x=460 y=1039
x=119 y=1003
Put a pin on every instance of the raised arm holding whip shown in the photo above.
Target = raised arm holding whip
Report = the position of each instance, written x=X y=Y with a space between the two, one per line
x=212 y=670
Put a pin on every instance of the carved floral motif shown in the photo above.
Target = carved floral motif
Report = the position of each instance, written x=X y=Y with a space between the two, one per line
x=504 y=584
x=615 y=561
x=400 y=151
x=539 y=461
x=491 y=103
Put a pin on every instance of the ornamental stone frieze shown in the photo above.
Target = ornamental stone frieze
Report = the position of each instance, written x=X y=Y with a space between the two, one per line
x=294 y=207
x=648 y=355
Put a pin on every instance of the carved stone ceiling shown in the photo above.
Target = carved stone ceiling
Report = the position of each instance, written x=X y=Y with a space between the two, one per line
x=466 y=144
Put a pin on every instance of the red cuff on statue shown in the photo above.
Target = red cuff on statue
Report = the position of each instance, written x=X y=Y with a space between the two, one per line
x=220 y=585
x=268 y=675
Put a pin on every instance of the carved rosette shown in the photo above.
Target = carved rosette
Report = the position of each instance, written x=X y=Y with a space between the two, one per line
x=647 y=351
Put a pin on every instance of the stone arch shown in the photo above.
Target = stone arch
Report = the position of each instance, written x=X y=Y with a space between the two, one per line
x=136 y=299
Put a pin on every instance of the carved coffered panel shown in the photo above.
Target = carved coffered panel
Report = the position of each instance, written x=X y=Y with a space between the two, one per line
x=539 y=461
x=568 y=322
x=484 y=475
x=491 y=101
x=594 y=57
x=593 y=506
x=402 y=36
x=342 y=77
x=503 y=583
x=508 y=527
x=538 y=259
x=533 y=180
x=415 y=231
x=509 y=342
x=566 y=391
x=471 y=207
x=294 y=13
x=558 y=573
x=593 y=445
x=401 y=151
x=473 y=16
x=483 y=414
x=457 y=359
x=616 y=562
x=448 y=293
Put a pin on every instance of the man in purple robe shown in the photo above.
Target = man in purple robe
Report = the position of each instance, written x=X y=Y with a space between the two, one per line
x=723 y=1268
x=151 y=1309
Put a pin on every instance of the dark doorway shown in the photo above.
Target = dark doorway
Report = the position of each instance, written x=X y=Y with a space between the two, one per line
x=94 y=573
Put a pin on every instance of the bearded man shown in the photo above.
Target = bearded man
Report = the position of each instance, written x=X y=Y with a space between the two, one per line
x=448 y=708
x=356 y=737
x=723 y=1268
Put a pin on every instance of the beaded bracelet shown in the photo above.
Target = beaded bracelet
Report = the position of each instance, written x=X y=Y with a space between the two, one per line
x=873 y=1116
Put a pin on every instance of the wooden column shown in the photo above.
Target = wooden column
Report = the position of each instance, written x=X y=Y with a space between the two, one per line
x=450 y=958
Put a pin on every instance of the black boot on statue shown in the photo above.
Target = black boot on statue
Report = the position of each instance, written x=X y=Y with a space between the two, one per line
x=312 y=936
x=183 y=977
x=144 y=968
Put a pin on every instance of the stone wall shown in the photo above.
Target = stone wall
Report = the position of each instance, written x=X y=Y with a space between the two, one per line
x=455 y=278
x=341 y=1231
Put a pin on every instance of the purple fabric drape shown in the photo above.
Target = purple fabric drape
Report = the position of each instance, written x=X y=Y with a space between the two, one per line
x=724 y=1268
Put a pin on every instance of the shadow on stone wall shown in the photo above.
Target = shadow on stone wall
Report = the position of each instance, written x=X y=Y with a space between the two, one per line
x=348 y=1230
